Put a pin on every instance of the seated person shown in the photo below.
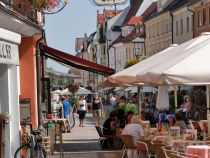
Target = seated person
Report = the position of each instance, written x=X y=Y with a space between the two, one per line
x=121 y=118
x=147 y=116
x=135 y=129
x=129 y=115
x=170 y=120
x=109 y=128
x=180 y=122
x=122 y=101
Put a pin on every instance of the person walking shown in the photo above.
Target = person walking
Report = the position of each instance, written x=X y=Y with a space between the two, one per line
x=66 y=113
x=113 y=101
x=96 y=107
x=81 y=110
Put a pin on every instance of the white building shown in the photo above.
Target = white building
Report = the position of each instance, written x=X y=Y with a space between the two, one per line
x=20 y=28
x=182 y=24
x=9 y=91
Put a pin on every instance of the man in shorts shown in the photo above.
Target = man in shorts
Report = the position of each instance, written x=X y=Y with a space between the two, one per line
x=66 y=113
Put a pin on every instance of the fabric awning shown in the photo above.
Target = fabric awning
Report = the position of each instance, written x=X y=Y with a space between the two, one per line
x=75 y=61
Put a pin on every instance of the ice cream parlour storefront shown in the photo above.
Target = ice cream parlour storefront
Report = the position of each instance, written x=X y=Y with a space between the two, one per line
x=9 y=91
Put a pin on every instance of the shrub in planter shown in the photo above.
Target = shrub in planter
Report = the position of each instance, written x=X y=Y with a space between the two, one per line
x=129 y=107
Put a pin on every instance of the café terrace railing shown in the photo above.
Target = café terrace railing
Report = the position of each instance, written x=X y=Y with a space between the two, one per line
x=25 y=9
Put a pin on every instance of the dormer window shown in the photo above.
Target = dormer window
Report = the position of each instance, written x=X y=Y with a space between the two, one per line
x=127 y=30
x=108 y=16
x=141 y=28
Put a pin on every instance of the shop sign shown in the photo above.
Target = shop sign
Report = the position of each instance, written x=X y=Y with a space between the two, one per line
x=109 y=2
x=8 y=53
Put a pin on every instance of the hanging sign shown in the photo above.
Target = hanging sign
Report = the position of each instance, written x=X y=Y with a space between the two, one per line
x=109 y=2
x=8 y=53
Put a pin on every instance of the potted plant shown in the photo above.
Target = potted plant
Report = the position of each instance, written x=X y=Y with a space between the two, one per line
x=5 y=118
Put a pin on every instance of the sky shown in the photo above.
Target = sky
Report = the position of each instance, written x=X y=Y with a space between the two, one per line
x=77 y=18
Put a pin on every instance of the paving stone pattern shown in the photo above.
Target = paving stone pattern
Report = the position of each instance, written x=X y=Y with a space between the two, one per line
x=82 y=142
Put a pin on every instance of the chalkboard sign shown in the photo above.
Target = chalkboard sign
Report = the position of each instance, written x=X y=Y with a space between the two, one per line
x=25 y=108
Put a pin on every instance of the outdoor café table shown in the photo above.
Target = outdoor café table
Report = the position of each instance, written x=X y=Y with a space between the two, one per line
x=60 y=121
x=184 y=143
x=201 y=150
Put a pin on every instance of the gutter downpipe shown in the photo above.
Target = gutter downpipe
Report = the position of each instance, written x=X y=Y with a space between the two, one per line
x=172 y=27
x=192 y=20
x=172 y=41
x=38 y=74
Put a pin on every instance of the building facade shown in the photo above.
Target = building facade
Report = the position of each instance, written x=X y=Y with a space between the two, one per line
x=158 y=33
x=201 y=17
x=182 y=24
x=21 y=28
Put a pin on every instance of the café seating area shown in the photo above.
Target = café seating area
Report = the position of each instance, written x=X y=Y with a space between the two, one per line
x=169 y=143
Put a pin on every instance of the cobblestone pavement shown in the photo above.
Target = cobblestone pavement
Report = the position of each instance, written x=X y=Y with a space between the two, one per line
x=82 y=142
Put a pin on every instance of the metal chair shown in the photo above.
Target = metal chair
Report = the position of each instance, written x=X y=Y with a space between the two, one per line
x=102 y=137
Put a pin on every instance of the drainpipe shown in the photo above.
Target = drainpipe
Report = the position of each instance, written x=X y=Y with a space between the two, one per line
x=115 y=57
x=38 y=74
x=172 y=27
x=192 y=20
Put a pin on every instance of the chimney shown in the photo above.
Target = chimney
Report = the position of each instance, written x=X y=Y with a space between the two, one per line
x=85 y=35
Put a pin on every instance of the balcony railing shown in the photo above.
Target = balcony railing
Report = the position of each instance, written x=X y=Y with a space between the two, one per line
x=24 y=8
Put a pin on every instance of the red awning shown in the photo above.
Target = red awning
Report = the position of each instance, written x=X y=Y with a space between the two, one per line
x=75 y=61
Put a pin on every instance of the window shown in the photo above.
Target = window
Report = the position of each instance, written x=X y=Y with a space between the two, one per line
x=141 y=28
x=204 y=16
x=181 y=26
x=199 y=18
x=192 y=22
x=209 y=14
x=163 y=27
x=188 y=24
x=166 y=27
x=177 y=27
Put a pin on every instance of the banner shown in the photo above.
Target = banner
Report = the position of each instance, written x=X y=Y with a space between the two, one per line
x=8 y=53
x=108 y=2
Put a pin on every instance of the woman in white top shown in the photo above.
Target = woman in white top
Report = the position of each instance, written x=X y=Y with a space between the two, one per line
x=81 y=109
x=135 y=129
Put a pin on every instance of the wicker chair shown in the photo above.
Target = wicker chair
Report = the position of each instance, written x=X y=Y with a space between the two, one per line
x=143 y=149
x=171 y=153
x=156 y=145
x=129 y=144
x=195 y=125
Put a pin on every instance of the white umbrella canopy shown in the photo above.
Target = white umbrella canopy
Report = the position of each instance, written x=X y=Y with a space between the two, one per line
x=128 y=76
x=57 y=91
x=182 y=88
x=108 y=83
x=133 y=74
x=66 y=92
x=81 y=90
x=146 y=89
x=119 y=88
x=162 y=101
x=183 y=66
